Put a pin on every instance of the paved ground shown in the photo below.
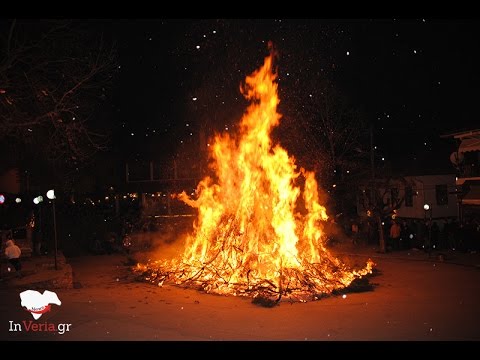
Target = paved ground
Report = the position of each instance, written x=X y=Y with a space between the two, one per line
x=416 y=297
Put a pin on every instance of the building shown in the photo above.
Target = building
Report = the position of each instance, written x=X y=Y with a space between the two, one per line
x=414 y=197
x=467 y=163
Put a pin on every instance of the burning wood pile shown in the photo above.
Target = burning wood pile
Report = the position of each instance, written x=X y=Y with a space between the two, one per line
x=260 y=227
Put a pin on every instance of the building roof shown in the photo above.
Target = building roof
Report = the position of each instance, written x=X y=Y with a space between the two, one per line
x=470 y=140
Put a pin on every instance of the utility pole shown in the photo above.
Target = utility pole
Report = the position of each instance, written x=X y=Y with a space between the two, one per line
x=373 y=198
x=372 y=160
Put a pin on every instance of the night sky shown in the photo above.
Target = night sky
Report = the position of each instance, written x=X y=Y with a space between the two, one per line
x=415 y=79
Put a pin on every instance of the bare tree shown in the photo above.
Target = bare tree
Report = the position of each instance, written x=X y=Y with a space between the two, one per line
x=325 y=133
x=380 y=201
x=53 y=75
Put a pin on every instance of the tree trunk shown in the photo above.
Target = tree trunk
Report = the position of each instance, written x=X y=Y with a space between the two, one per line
x=380 y=235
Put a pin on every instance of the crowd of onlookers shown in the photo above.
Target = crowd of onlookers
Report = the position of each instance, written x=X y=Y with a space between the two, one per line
x=436 y=234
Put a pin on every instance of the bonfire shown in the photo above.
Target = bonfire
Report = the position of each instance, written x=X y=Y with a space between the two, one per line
x=260 y=225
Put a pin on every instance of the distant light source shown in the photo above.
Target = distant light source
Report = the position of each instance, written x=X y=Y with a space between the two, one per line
x=426 y=207
x=51 y=194
x=37 y=200
x=18 y=200
x=2 y=199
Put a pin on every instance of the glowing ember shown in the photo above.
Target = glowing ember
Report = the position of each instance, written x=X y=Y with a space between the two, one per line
x=257 y=233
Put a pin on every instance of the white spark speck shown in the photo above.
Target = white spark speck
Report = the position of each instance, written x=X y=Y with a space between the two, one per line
x=132 y=134
x=348 y=53
x=414 y=51
x=30 y=130
x=150 y=39
x=191 y=134
x=425 y=143
x=198 y=47
x=204 y=35
x=383 y=159
x=187 y=124
x=194 y=99
x=310 y=95
x=344 y=296
x=119 y=66
x=214 y=31
x=439 y=83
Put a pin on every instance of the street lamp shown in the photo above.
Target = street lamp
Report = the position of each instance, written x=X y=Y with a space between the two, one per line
x=51 y=196
x=427 y=207
x=37 y=200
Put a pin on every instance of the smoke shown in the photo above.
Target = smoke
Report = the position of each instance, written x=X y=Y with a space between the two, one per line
x=167 y=242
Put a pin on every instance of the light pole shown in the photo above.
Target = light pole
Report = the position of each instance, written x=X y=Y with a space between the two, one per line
x=38 y=236
x=427 y=207
x=51 y=196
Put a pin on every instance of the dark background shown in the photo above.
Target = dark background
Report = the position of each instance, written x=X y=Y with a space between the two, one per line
x=414 y=79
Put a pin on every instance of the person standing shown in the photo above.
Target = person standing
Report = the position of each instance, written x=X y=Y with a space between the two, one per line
x=395 y=231
x=13 y=252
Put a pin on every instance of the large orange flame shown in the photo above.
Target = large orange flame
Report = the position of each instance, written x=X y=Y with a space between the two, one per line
x=256 y=233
